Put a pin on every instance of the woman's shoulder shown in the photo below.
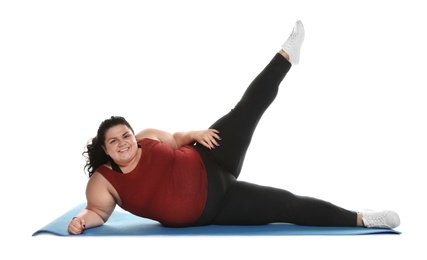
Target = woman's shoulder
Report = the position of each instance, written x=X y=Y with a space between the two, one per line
x=103 y=169
x=98 y=176
x=147 y=139
x=150 y=133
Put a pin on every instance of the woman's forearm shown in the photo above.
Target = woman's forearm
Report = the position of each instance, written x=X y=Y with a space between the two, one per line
x=91 y=218
x=208 y=138
x=183 y=138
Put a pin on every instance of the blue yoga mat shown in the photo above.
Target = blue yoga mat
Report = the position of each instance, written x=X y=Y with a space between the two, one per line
x=126 y=224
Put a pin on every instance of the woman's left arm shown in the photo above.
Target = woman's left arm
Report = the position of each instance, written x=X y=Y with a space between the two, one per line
x=207 y=137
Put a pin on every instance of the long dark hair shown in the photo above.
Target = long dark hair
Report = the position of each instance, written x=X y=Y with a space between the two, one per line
x=94 y=153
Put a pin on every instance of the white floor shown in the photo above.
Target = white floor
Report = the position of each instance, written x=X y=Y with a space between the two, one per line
x=348 y=124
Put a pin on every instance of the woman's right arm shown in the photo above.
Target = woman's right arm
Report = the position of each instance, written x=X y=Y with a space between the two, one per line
x=100 y=206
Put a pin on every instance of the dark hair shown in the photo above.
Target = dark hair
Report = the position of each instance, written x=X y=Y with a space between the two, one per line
x=94 y=153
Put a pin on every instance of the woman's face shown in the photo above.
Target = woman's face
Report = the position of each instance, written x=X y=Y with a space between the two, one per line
x=120 y=144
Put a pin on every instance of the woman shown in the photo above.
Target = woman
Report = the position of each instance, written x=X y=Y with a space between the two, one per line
x=190 y=178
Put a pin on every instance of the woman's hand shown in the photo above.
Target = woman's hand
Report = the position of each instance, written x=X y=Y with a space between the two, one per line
x=207 y=138
x=76 y=226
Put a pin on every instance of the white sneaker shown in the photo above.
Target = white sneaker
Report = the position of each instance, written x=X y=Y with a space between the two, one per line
x=292 y=45
x=380 y=219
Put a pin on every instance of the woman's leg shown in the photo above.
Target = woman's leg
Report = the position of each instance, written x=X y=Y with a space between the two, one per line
x=251 y=204
x=237 y=127
x=223 y=163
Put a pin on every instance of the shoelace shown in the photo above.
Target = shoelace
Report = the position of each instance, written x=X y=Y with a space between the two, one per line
x=378 y=223
x=378 y=220
x=290 y=40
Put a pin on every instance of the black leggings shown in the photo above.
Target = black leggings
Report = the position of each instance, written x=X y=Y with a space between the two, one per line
x=233 y=202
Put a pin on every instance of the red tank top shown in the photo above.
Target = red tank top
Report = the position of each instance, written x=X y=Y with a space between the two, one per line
x=167 y=185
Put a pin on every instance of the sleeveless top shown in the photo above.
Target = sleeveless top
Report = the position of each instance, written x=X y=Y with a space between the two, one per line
x=167 y=185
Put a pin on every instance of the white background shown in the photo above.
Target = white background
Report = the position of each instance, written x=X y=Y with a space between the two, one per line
x=348 y=126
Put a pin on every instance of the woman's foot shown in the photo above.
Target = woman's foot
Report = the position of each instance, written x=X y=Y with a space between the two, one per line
x=292 y=46
x=380 y=219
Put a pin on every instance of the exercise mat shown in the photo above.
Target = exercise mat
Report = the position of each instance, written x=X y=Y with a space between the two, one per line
x=125 y=224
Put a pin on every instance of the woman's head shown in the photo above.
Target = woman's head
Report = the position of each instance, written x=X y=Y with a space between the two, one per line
x=117 y=130
x=109 y=123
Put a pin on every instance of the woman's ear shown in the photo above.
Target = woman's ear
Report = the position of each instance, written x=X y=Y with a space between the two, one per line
x=105 y=150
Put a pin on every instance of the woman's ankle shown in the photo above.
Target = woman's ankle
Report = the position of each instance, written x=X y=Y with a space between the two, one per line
x=284 y=54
